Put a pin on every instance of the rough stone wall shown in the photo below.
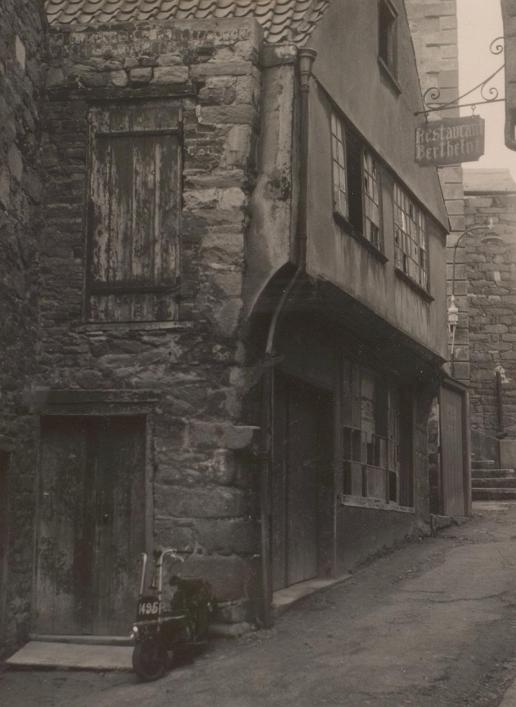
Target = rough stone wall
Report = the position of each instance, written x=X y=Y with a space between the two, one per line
x=22 y=43
x=434 y=32
x=491 y=273
x=203 y=489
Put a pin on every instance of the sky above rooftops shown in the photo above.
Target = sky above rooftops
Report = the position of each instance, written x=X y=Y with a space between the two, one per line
x=480 y=21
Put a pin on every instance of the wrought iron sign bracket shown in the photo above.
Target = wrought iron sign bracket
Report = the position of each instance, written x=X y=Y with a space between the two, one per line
x=488 y=94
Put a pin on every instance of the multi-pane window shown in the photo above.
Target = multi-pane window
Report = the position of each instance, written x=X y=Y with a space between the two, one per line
x=371 y=439
x=133 y=213
x=340 y=181
x=356 y=183
x=387 y=39
x=410 y=241
x=372 y=217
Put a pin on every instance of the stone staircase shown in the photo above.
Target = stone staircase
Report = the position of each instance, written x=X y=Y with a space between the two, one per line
x=492 y=484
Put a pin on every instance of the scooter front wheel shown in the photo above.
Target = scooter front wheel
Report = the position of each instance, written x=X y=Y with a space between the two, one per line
x=150 y=660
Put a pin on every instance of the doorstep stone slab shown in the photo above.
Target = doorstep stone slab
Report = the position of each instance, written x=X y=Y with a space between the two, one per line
x=89 y=640
x=284 y=598
x=43 y=654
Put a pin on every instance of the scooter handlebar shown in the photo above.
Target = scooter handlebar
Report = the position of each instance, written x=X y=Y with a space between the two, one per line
x=161 y=554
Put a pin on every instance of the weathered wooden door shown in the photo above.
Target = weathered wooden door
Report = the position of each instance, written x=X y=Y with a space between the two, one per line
x=91 y=524
x=298 y=459
x=454 y=461
x=4 y=534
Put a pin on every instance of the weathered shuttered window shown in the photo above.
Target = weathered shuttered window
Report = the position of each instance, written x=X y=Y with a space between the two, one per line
x=134 y=210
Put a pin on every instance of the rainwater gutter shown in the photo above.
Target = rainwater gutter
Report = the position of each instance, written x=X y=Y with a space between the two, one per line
x=306 y=58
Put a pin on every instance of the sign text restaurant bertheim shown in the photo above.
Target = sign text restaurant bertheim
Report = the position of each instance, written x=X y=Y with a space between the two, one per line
x=450 y=141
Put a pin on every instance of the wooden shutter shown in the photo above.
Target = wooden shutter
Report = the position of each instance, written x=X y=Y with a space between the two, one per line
x=134 y=206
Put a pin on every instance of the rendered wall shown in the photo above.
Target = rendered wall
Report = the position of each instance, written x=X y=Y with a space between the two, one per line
x=383 y=114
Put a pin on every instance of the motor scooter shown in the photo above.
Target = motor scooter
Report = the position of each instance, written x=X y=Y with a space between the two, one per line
x=168 y=627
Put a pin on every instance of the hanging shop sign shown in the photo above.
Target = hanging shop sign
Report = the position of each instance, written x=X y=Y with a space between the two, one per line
x=450 y=141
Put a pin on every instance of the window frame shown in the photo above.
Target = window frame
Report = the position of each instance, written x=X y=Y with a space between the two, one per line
x=388 y=38
x=410 y=218
x=353 y=147
x=366 y=455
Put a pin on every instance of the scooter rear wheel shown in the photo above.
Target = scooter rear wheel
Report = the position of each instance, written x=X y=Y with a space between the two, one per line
x=150 y=660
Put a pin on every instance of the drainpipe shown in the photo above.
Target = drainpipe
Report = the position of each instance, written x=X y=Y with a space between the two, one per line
x=306 y=58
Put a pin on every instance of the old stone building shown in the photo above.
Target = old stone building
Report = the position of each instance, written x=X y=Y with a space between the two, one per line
x=241 y=315
x=22 y=47
x=491 y=266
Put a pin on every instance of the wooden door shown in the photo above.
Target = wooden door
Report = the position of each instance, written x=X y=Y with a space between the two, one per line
x=91 y=524
x=299 y=456
x=4 y=535
x=454 y=464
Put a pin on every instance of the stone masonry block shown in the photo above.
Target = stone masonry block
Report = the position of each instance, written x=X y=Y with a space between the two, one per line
x=232 y=198
x=200 y=501
x=220 y=435
x=240 y=114
x=119 y=78
x=224 y=536
x=201 y=71
x=230 y=577
x=170 y=74
x=140 y=75
x=238 y=146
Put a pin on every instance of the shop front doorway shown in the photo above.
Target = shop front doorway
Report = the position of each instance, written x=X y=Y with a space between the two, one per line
x=302 y=454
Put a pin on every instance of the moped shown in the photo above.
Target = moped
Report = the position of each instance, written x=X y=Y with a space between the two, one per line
x=168 y=627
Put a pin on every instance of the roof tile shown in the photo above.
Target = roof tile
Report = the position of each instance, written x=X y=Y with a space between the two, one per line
x=280 y=19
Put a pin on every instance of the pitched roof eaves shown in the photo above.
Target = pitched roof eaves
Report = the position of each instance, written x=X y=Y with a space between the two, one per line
x=281 y=20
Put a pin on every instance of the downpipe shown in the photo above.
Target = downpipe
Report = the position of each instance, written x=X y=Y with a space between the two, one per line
x=306 y=59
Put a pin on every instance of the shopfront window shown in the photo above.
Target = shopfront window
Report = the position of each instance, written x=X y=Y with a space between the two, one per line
x=372 y=463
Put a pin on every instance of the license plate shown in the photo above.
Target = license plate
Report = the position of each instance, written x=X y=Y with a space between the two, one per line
x=148 y=608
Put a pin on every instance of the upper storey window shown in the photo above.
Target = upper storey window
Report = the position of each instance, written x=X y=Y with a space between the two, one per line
x=133 y=214
x=387 y=36
x=372 y=215
x=339 y=159
x=410 y=239
x=356 y=185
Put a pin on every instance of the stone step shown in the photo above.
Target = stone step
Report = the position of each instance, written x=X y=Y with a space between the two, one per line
x=494 y=494
x=493 y=474
x=495 y=482
x=482 y=463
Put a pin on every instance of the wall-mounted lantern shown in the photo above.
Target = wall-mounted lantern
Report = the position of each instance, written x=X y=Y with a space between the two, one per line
x=453 y=310
x=453 y=320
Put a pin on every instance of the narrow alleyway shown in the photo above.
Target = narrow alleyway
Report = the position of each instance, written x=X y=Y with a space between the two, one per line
x=432 y=624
